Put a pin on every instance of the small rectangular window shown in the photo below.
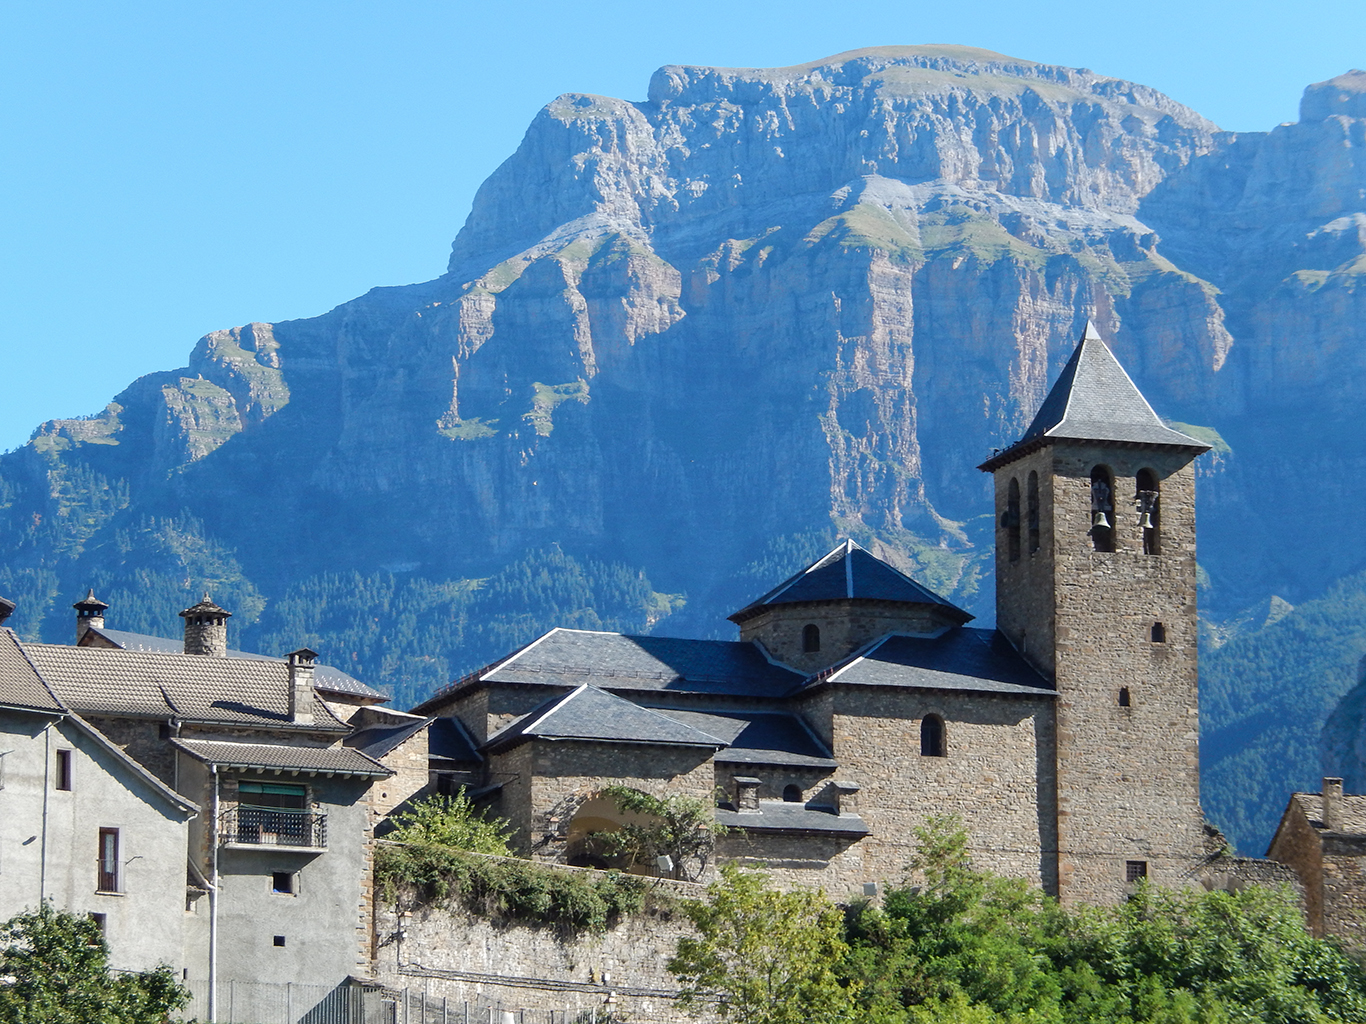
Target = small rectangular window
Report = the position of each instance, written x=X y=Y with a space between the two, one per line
x=1135 y=869
x=282 y=882
x=279 y=940
x=99 y=920
x=109 y=860
x=1124 y=700
x=64 y=770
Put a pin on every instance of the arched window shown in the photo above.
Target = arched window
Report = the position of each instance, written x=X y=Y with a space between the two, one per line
x=1124 y=701
x=1032 y=507
x=811 y=638
x=1012 y=520
x=792 y=794
x=1149 y=499
x=932 y=736
x=1159 y=633
x=1102 y=509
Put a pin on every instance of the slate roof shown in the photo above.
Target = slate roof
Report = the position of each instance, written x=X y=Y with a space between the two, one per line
x=1095 y=400
x=325 y=677
x=20 y=685
x=779 y=816
x=1352 y=811
x=961 y=658
x=769 y=738
x=850 y=571
x=588 y=713
x=273 y=757
x=193 y=688
x=378 y=740
x=448 y=740
x=613 y=661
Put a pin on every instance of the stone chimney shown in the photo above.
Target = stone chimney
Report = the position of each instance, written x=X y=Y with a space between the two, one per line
x=301 y=686
x=746 y=792
x=89 y=614
x=1332 y=804
x=206 y=629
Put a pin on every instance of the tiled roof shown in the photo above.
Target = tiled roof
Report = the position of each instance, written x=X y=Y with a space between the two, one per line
x=850 y=571
x=613 y=661
x=193 y=688
x=961 y=658
x=587 y=713
x=377 y=740
x=1095 y=400
x=20 y=685
x=325 y=677
x=780 y=816
x=272 y=757
x=758 y=737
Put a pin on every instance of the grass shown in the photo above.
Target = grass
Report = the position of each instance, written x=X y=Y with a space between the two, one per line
x=468 y=430
x=548 y=398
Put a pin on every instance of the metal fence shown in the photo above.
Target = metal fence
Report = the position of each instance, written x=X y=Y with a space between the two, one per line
x=262 y=1002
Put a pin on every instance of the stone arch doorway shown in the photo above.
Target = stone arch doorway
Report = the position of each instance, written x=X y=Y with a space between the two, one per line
x=595 y=817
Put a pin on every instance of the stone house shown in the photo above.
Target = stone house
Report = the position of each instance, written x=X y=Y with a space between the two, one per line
x=267 y=777
x=1322 y=838
x=856 y=702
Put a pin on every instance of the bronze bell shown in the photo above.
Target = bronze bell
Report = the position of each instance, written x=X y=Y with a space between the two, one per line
x=1099 y=521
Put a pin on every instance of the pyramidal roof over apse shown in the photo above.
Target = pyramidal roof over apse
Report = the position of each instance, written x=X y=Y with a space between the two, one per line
x=850 y=572
x=1095 y=400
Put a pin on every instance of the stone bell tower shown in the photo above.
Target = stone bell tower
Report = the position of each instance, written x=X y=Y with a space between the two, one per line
x=1095 y=586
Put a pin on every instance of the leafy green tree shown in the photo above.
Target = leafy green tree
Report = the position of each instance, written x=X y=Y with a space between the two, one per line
x=54 y=969
x=451 y=821
x=762 y=956
x=684 y=828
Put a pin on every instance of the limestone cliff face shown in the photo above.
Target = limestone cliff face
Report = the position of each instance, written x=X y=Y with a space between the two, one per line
x=757 y=303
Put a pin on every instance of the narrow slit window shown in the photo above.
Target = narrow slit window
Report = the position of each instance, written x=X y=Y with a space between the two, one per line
x=1102 y=509
x=811 y=638
x=932 y=736
x=1032 y=510
x=1159 y=633
x=1012 y=520
x=1124 y=700
x=109 y=860
x=1149 y=501
x=64 y=770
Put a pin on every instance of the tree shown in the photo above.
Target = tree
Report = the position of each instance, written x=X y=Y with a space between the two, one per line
x=54 y=969
x=683 y=828
x=763 y=956
x=451 y=821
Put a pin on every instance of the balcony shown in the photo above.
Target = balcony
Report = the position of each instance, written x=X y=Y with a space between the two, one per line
x=255 y=828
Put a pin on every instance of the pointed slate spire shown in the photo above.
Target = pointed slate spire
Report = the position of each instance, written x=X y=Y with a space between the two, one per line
x=1095 y=400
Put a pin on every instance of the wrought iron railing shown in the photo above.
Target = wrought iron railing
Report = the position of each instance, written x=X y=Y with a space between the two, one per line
x=269 y=826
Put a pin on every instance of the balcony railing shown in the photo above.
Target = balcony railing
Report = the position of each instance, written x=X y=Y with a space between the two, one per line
x=268 y=826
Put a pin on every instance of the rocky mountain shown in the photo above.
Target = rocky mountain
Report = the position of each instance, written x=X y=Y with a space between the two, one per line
x=682 y=342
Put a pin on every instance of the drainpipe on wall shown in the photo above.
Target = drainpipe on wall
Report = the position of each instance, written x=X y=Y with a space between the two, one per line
x=213 y=901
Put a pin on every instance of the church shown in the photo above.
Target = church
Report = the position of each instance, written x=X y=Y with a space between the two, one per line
x=857 y=703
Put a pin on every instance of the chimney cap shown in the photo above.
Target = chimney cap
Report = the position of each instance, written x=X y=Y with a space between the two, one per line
x=90 y=604
x=206 y=609
x=303 y=654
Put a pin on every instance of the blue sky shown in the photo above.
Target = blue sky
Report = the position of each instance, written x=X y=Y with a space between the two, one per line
x=174 y=168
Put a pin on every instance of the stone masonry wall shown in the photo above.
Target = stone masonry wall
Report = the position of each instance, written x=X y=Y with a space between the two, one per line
x=844 y=627
x=1344 y=889
x=1128 y=776
x=1025 y=585
x=1297 y=845
x=451 y=953
x=997 y=776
